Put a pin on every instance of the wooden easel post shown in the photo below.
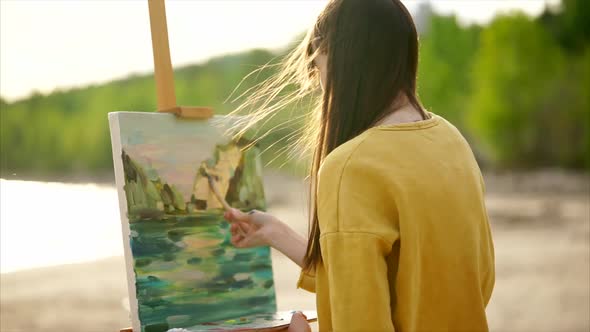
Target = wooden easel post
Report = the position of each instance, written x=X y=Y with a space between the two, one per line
x=163 y=72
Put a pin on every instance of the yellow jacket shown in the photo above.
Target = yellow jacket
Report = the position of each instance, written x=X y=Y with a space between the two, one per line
x=405 y=239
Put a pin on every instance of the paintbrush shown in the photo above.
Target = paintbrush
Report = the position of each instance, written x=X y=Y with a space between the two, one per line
x=216 y=192
x=220 y=198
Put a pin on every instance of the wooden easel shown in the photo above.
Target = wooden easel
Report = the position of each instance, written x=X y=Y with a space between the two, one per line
x=164 y=75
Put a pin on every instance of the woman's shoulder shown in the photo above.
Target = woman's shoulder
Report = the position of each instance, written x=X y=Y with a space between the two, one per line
x=338 y=158
x=352 y=194
x=377 y=151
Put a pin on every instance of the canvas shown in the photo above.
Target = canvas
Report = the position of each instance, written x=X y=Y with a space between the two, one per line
x=182 y=268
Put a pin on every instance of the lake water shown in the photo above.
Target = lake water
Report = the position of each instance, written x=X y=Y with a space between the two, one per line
x=49 y=223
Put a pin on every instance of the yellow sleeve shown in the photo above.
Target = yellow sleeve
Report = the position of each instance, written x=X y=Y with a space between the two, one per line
x=357 y=280
x=358 y=225
x=306 y=281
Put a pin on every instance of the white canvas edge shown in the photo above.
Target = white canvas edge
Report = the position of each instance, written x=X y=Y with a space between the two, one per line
x=119 y=182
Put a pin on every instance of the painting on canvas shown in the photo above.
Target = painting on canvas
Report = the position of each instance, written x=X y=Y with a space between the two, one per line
x=182 y=268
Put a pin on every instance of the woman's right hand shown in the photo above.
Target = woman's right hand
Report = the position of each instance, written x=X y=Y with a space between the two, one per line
x=252 y=229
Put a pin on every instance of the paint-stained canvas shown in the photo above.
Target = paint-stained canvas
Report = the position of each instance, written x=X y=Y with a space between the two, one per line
x=182 y=268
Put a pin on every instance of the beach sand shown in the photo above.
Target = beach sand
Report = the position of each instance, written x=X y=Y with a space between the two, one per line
x=541 y=229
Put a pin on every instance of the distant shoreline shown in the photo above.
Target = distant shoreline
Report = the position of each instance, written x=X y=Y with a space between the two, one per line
x=548 y=179
x=105 y=178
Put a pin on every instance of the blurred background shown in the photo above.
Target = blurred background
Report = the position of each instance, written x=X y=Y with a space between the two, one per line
x=513 y=76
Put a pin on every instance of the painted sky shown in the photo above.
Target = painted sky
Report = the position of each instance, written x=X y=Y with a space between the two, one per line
x=173 y=147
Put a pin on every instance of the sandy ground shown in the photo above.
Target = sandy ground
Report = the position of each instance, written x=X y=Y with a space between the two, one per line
x=541 y=226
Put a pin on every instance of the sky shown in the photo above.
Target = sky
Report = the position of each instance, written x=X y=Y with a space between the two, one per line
x=155 y=141
x=59 y=44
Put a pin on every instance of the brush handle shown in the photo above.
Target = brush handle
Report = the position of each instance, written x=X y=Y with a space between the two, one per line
x=222 y=200
x=217 y=194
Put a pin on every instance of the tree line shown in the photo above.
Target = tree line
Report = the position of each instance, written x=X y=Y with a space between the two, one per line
x=518 y=88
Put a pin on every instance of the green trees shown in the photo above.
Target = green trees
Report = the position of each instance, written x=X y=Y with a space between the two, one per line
x=446 y=54
x=512 y=75
x=530 y=102
x=67 y=132
x=518 y=88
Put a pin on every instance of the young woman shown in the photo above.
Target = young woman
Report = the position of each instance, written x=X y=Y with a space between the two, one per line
x=399 y=236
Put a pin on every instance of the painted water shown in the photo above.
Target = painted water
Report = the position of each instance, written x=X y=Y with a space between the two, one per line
x=188 y=272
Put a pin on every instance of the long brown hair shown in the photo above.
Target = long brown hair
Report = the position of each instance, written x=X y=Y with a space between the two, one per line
x=372 y=58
